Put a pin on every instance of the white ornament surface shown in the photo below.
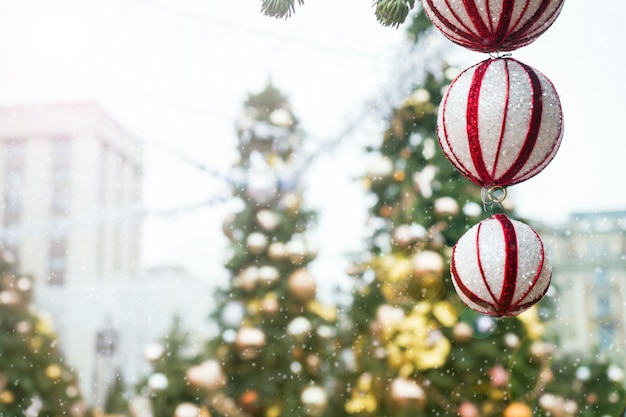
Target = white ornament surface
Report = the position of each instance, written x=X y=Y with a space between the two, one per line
x=500 y=122
x=499 y=267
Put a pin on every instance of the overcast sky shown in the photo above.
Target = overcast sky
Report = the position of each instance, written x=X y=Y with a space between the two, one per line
x=175 y=73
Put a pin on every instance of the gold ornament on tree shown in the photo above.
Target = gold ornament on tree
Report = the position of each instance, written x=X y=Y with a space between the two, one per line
x=268 y=220
x=256 y=243
x=249 y=342
x=207 y=375
x=517 y=409
x=301 y=285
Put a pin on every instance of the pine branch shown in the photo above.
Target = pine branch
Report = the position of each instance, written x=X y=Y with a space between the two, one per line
x=280 y=9
x=393 y=12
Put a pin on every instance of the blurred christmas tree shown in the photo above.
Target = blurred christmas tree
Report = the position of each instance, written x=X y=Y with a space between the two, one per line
x=34 y=378
x=271 y=355
x=417 y=350
x=166 y=388
x=274 y=336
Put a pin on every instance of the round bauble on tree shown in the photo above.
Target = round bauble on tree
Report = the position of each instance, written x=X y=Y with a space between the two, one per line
x=186 y=409
x=492 y=25
x=500 y=122
x=499 y=267
x=249 y=342
x=314 y=400
x=407 y=393
x=518 y=409
x=208 y=375
x=301 y=285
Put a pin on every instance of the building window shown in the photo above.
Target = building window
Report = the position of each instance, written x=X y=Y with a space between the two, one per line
x=14 y=182
x=61 y=177
x=58 y=261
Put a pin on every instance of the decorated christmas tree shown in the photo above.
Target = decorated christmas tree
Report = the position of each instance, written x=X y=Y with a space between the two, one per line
x=275 y=337
x=34 y=378
x=417 y=349
x=271 y=355
x=166 y=388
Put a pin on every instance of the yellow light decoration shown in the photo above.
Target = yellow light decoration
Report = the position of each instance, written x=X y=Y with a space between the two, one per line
x=36 y=343
x=362 y=400
x=273 y=411
x=6 y=397
x=53 y=371
x=418 y=342
x=328 y=313
x=44 y=326
x=532 y=323
x=445 y=313
x=399 y=176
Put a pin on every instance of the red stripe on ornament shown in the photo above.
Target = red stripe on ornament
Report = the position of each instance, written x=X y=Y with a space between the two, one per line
x=534 y=124
x=488 y=307
x=444 y=137
x=548 y=156
x=505 y=110
x=464 y=37
x=510 y=263
x=531 y=21
x=472 y=118
x=512 y=27
x=482 y=271
x=521 y=307
x=519 y=304
x=505 y=20
x=477 y=21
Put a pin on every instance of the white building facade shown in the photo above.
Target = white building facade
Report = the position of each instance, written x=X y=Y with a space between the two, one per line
x=71 y=213
x=588 y=255
x=70 y=186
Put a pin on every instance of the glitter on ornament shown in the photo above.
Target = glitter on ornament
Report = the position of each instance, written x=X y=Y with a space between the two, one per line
x=492 y=25
x=500 y=122
x=499 y=267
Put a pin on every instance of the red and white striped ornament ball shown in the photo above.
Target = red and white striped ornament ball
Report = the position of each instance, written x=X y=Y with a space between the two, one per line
x=492 y=25
x=500 y=122
x=499 y=267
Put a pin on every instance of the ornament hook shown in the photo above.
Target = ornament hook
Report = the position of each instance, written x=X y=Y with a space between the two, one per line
x=492 y=196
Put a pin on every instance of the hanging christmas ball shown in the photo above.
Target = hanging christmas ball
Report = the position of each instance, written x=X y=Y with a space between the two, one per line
x=277 y=251
x=249 y=402
x=314 y=400
x=406 y=392
x=249 y=342
x=256 y=242
x=301 y=285
x=157 y=382
x=153 y=352
x=53 y=371
x=500 y=122
x=6 y=397
x=428 y=262
x=499 y=267
x=207 y=375
x=268 y=275
x=468 y=409
x=268 y=220
x=299 y=328
x=492 y=25
x=517 y=409
x=498 y=376
x=269 y=305
x=186 y=410
x=462 y=332
x=446 y=207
